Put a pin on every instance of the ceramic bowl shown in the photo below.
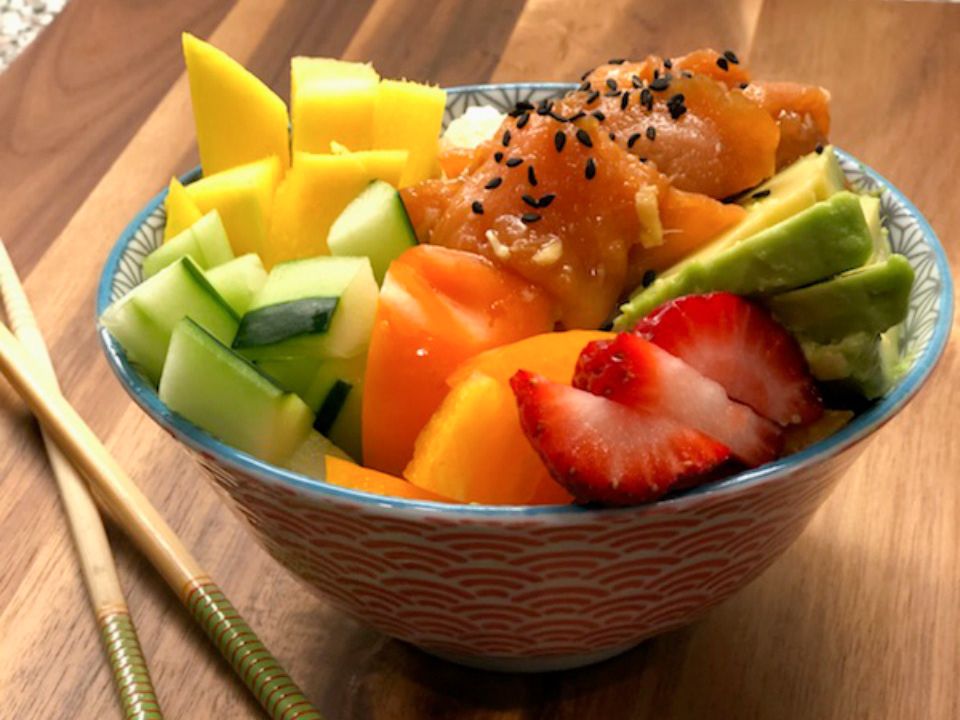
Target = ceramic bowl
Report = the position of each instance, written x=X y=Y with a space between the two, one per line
x=540 y=588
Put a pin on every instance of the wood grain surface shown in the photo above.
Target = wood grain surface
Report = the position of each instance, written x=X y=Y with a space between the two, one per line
x=859 y=619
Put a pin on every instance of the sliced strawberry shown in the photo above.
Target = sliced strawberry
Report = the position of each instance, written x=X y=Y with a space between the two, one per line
x=604 y=452
x=636 y=373
x=738 y=344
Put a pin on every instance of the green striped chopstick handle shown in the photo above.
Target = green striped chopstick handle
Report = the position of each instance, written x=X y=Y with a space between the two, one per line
x=277 y=693
x=129 y=668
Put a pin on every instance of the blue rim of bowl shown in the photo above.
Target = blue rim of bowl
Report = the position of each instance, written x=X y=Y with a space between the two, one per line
x=859 y=428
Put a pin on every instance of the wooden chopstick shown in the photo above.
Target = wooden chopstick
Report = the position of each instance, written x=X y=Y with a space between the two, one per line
x=130 y=674
x=118 y=494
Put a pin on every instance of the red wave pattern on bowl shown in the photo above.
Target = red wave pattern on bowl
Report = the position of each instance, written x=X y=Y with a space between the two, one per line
x=528 y=592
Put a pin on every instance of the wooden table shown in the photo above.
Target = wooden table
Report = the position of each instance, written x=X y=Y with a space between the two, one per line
x=860 y=619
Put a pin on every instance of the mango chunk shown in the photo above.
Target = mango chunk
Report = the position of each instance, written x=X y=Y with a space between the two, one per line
x=244 y=197
x=238 y=118
x=474 y=450
x=331 y=100
x=182 y=212
x=408 y=116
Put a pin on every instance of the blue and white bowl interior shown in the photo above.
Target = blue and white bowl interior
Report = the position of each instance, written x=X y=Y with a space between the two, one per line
x=925 y=333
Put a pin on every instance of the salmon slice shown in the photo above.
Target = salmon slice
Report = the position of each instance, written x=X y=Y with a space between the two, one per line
x=556 y=203
x=802 y=112
x=706 y=137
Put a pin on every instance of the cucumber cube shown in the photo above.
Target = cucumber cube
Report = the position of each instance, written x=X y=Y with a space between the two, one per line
x=143 y=320
x=217 y=390
x=205 y=241
x=239 y=280
x=374 y=225
x=319 y=307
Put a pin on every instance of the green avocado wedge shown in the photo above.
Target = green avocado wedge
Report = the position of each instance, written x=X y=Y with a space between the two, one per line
x=829 y=237
x=869 y=299
x=866 y=364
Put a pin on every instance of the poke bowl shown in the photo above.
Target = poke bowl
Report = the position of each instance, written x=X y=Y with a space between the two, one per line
x=535 y=588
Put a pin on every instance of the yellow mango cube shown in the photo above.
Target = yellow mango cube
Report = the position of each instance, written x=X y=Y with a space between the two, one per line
x=331 y=100
x=386 y=165
x=408 y=116
x=239 y=119
x=315 y=191
x=244 y=197
x=182 y=212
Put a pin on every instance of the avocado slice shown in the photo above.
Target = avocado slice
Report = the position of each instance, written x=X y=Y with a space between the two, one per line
x=868 y=364
x=827 y=238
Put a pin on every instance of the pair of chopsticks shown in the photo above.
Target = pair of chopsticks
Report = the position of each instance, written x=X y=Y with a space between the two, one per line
x=75 y=451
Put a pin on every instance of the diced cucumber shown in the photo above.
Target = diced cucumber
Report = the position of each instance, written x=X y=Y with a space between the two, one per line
x=319 y=307
x=205 y=241
x=239 y=280
x=346 y=430
x=373 y=225
x=314 y=380
x=217 y=390
x=143 y=320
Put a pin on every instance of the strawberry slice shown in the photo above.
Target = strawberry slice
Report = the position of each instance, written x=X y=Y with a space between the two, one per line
x=604 y=452
x=738 y=344
x=636 y=373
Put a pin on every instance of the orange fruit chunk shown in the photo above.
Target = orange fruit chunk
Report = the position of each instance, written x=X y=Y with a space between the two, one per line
x=356 y=477
x=437 y=308
x=473 y=450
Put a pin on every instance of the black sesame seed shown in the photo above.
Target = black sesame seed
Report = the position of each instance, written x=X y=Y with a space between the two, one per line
x=648 y=277
x=523 y=120
x=516 y=112
x=723 y=64
x=656 y=73
x=675 y=106
x=592 y=97
x=646 y=98
x=576 y=116
x=624 y=101
x=585 y=86
x=584 y=137
x=531 y=175
x=585 y=74
x=531 y=201
x=743 y=85
x=559 y=140
x=819 y=149
x=529 y=218
x=545 y=107
x=616 y=61
x=660 y=84
x=524 y=105
x=546 y=200
x=599 y=115
x=632 y=140
x=651 y=133
x=591 y=170
x=477 y=207
x=558 y=117
x=687 y=74
x=731 y=56
x=643 y=159
x=493 y=183
x=505 y=140
x=611 y=83
x=612 y=137
x=636 y=81
x=613 y=93
x=668 y=63
x=513 y=162
x=760 y=194
x=497 y=156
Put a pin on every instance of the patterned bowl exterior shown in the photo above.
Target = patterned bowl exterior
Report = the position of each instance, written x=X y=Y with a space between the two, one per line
x=541 y=588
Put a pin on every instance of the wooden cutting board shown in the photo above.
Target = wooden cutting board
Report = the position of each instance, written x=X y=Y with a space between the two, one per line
x=859 y=619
